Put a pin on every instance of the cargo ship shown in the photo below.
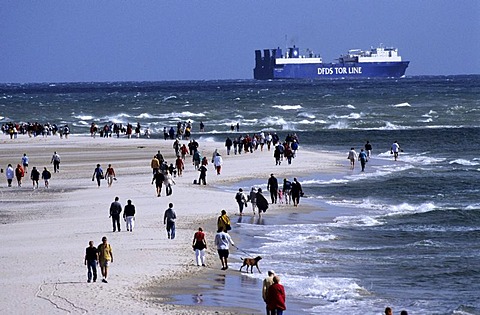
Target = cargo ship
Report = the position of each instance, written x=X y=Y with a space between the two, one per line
x=377 y=62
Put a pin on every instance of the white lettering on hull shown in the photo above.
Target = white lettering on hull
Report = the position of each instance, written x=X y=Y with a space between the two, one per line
x=339 y=70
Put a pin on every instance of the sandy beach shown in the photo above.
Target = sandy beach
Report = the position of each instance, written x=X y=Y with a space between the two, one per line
x=45 y=231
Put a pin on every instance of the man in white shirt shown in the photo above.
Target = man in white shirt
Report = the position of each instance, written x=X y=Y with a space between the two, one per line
x=223 y=242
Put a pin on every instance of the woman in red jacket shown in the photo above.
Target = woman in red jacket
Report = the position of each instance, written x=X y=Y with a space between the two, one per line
x=276 y=297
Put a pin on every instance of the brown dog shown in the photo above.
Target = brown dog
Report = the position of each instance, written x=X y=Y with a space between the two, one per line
x=250 y=262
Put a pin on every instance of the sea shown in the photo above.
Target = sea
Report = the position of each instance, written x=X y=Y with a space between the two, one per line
x=404 y=234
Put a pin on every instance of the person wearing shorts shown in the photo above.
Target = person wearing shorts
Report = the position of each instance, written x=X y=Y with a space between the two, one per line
x=223 y=242
x=105 y=257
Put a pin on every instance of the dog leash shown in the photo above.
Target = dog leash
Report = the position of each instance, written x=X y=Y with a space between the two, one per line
x=241 y=250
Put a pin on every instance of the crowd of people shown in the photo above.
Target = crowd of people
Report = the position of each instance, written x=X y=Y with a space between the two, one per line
x=366 y=153
x=285 y=191
x=34 y=129
x=21 y=171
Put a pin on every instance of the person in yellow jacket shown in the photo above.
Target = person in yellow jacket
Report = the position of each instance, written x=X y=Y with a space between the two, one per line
x=223 y=222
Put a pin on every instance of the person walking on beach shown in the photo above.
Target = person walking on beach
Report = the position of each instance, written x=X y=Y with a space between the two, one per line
x=262 y=203
x=253 y=198
x=35 y=177
x=276 y=297
x=272 y=187
x=91 y=261
x=110 y=175
x=199 y=246
x=9 y=173
x=223 y=222
x=218 y=162
x=56 y=162
x=169 y=218
x=267 y=282
x=25 y=162
x=46 y=175
x=203 y=175
x=158 y=178
x=296 y=191
x=352 y=156
x=19 y=173
x=241 y=200
x=388 y=311
x=223 y=242
x=287 y=187
x=228 y=145
x=368 y=149
x=168 y=184
x=362 y=157
x=155 y=164
x=129 y=215
x=105 y=257
x=180 y=165
x=115 y=210
x=395 y=149
x=98 y=174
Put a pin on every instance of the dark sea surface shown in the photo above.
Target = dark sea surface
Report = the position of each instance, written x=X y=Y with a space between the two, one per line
x=404 y=234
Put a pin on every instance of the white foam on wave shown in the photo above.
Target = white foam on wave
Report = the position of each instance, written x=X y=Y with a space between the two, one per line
x=339 y=125
x=324 y=182
x=402 y=105
x=475 y=206
x=145 y=116
x=171 y=97
x=379 y=211
x=425 y=120
x=274 y=120
x=306 y=115
x=84 y=117
x=363 y=220
x=464 y=162
x=287 y=107
x=325 y=288
x=352 y=116
x=390 y=126
x=185 y=114
x=416 y=159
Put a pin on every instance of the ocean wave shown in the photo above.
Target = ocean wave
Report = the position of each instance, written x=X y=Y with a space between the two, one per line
x=171 y=97
x=475 y=206
x=325 y=288
x=390 y=126
x=402 y=105
x=352 y=116
x=339 y=125
x=324 y=182
x=287 y=107
x=306 y=115
x=363 y=220
x=463 y=162
x=84 y=117
x=145 y=116
x=426 y=243
x=379 y=211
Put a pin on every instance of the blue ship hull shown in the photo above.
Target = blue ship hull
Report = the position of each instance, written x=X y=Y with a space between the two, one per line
x=337 y=70
x=267 y=69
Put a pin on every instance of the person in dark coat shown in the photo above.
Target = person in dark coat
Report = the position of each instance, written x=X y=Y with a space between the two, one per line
x=296 y=192
x=272 y=187
x=262 y=203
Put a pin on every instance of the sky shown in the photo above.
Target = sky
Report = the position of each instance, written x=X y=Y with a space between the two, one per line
x=157 y=40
